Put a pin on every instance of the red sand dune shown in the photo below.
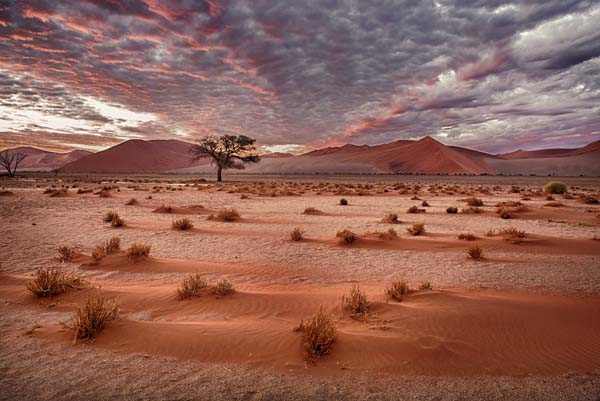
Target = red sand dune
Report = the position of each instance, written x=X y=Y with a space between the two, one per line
x=137 y=156
x=38 y=159
x=425 y=156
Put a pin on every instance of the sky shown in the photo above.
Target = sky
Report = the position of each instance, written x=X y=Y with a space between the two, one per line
x=297 y=75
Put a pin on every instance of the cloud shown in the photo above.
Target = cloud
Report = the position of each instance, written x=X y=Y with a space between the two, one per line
x=486 y=74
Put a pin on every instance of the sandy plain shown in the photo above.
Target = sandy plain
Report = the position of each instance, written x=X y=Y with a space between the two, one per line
x=521 y=323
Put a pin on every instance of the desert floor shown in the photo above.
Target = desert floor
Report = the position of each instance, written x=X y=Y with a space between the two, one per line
x=522 y=323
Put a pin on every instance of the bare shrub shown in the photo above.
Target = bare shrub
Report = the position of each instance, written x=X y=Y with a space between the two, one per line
x=397 y=290
x=318 y=335
x=138 y=251
x=467 y=237
x=356 y=302
x=117 y=222
x=470 y=210
x=110 y=216
x=424 y=204
x=504 y=213
x=414 y=210
x=416 y=229
x=182 y=224
x=391 y=218
x=111 y=246
x=475 y=252
x=163 y=209
x=132 y=202
x=297 y=234
x=94 y=316
x=451 y=210
x=222 y=288
x=66 y=253
x=191 y=286
x=51 y=281
x=346 y=236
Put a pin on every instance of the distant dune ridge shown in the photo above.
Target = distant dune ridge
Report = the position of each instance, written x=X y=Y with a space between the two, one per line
x=425 y=156
x=43 y=160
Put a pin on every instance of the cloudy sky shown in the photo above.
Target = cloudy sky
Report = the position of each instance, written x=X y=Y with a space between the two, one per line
x=490 y=75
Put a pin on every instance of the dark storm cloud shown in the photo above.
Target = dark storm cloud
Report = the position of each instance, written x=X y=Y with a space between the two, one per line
x=476 y=73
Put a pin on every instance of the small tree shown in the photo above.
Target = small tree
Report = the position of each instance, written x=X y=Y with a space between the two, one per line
x=11 y=160
x=226 y=151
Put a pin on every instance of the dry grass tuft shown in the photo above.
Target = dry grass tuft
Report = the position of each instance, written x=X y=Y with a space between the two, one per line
x=222 y=288
x=318 y=335
x=391 y=218
x=397 y=290
x=346 y=236
x=470 y=210
x=164 y=209
x=297 y=234
x=474 y=202
x=132 y=202
x=416 y=229
x=52 y=281
x=66 y=253
x=389 y=235
x=110 y=216
x=555 y=187
x=425 y=286
x=182 y=224
x=467 y=237
x=191 y=286
x=93 y=317
x=414 y=210
x=513 y=235
x=504 y=213
x=356 y=302
x=475 y=253
x=138 y=251
x=228 y=215
x=312 y=210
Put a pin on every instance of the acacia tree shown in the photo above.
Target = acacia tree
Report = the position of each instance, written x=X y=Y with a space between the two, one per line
x=226 y=151
x=11 y=160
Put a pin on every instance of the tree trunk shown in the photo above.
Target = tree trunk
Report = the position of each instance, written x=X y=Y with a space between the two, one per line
x=219 y=174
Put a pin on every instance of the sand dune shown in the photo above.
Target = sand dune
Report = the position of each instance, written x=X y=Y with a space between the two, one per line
x=38 y=159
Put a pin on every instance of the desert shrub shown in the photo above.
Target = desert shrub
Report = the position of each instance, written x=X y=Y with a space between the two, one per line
x=512 y=235
x=470 y=209
x=110 y=216
x=98 y=254
x=451 y=210
x=138 y=251
x=191 y=286
x=312 y=210
x=297 y=234
x=346 y=236
x=491 y=233
x=318 y=335
x=66 y=253
x=590 y=200
x=93 y=317
x=391 y=218
x=424 y=204
x=344 y=202
x=356 y=302
x=117 y=222
x=416 y=229
x=51 y=281
x=222 y=288
x=467 y=237
x=228 y=215
x=132 y=202
x=475 y=252
x=104 y=193
x=182 y=224
x=555 y=187
x=390 y=234
x=474 y=202
x=244 y=196
x=397 y=290
x=425 y=286
x=504 y=213
x=414 y=209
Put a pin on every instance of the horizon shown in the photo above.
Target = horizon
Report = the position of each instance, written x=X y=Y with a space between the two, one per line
x=493 y=78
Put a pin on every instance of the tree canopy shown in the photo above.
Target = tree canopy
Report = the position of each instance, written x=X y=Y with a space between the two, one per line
x=226 y=151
